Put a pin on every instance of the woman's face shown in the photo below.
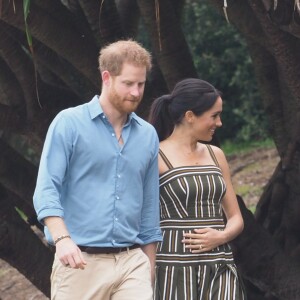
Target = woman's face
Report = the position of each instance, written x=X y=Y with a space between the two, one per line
x=206 y=124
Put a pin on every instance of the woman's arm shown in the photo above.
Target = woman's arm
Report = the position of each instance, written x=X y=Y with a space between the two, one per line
x=206 y=239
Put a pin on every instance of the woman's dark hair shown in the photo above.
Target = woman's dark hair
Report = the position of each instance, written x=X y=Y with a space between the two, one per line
x=191 y=94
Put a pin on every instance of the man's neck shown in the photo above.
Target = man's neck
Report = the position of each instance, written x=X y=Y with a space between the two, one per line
x=116 y=118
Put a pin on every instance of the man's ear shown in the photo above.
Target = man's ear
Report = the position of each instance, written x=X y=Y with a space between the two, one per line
x=105 y=77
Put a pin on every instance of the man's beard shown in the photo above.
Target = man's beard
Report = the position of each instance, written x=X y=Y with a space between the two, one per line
x=119 y=103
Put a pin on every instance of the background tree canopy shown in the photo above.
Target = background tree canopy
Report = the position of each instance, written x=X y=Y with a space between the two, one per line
x=221 y=57
x=187 y=39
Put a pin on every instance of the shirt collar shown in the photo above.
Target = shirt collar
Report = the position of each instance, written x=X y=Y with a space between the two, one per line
x=96 y=110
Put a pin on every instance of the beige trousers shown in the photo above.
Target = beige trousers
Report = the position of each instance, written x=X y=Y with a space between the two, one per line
x=124 y=276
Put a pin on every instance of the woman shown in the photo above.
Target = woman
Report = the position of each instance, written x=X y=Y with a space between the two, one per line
x=194 y=261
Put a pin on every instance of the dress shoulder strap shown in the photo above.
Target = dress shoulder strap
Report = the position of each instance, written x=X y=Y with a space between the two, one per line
x=164 y=158
x=212 y=154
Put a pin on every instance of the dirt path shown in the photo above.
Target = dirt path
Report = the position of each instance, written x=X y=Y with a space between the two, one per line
x=250 y=173
x=14 y=286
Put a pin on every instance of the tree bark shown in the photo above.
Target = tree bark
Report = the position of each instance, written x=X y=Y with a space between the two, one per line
x=91 y=10
x=18 y=176
x=129 y=15
x=22 y=248
x=23 y=70
x=262 y=261
x=10 y=92
x=110 y=23
x=44 y=28
x=66 y=43
x=167 y=39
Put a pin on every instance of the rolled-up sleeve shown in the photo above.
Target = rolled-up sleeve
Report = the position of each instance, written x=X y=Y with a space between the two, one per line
x=150 y=230
x=52 y=171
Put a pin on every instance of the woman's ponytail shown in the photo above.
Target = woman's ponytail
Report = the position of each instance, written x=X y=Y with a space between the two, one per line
x=160 y=118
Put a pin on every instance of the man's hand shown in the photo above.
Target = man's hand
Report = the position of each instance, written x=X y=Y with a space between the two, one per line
x=69 y=254
x=66 y=250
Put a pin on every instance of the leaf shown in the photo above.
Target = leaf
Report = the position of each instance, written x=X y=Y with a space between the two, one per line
x=26 y=7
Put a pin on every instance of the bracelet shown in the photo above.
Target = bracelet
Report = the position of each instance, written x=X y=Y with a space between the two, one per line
x=61 y=238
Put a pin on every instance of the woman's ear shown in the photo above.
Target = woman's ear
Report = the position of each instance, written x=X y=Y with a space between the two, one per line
x=189 y=116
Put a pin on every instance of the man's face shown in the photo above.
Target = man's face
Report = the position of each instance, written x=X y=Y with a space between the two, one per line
x=126 y=90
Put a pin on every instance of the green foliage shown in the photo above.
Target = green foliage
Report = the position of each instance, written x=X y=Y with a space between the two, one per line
x=21 y=213
x=244 y=189
x=252 y=208
x=21 y=143
x=233 y=148
x=221 y=57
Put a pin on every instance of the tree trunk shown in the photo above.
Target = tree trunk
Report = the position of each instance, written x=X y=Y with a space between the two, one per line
x=110 y=23
x=22 y=248
x=263 y=263
x=276 y=61
x=66 y=43
x=129 y=15
x=167 y=39
x=44 y=28
x=17 y=176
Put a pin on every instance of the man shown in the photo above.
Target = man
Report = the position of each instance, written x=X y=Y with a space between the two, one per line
x=97 y=189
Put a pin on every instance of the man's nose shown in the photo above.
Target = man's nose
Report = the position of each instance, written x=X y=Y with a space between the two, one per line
x=135 y=91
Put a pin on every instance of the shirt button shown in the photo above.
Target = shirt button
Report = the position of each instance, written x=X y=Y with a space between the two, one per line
x=117 y=197
x=112 y=134
x=119 y=176
x=117 y=219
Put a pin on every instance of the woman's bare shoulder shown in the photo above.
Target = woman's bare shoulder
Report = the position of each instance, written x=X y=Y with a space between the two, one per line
x=219 y=154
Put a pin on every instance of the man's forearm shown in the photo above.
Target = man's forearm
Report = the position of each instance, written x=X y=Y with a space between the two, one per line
x=150 y=251
x=57 y=227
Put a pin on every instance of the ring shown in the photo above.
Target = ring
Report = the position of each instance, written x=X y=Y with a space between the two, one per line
x=200 y=247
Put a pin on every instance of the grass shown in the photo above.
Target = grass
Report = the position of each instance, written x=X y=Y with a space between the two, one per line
x=3 y=272
x=235 y=149
x=232 y=148
x=252 y=208
x=245 y=189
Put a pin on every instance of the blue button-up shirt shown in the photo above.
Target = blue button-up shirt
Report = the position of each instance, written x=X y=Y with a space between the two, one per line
x=107 y=194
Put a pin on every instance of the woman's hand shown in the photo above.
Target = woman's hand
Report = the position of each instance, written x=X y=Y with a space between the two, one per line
x=203 y=240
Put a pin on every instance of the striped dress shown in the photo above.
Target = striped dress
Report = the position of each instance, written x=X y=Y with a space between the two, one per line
x=190 y=197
